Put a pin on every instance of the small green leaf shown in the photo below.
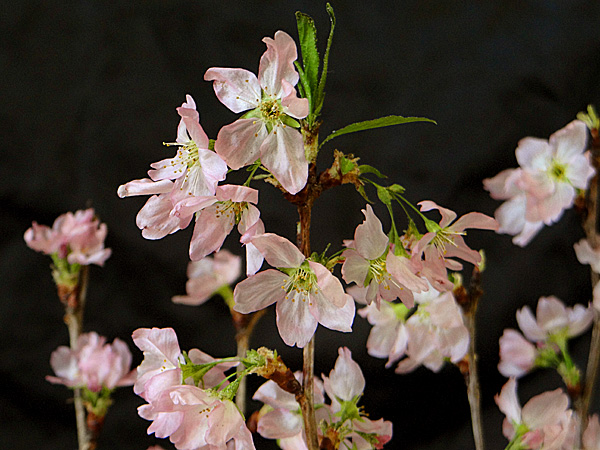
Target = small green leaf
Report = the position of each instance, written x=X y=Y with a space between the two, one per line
x=346 y=165
x=307 y=33
x=320 y=94
x=384 y=195
x=396 y=189
x=363 y=194
x=290 y=121
x=375 y=123
x=365 y=168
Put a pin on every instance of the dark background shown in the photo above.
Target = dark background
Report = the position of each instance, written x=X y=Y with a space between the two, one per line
x=89 y=91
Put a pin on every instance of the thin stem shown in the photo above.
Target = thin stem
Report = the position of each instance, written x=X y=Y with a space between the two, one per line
x=74 y=301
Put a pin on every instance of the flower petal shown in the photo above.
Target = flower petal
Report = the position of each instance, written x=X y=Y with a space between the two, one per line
x=238 y=89
x=369 y=239
x=277 y=64
x=278 y=251
x=259 y=291
x=239 y=142
x=295 y=323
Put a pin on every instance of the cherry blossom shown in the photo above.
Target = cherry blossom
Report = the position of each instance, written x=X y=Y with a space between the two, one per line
x=370 y=262
x=282 y=419
x=195 y=418
x=267 y=131
x=306 y=292
x=77 y=237
x=553 y=318
x=207 y=276
x=544 y=422
x=93 y=364
x=546 y=183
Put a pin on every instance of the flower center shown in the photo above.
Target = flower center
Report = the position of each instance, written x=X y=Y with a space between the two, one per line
x=301 y=284
x=377 y=270
x=270 y=110
x=558 y=171
x=231 y=210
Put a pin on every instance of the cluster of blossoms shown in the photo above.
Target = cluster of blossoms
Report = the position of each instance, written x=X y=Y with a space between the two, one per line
x=342 y=422
x=186 y=185
x=544 y=422
x=429 y=334
x=184 y=400
x=75 y=239
x=550 y=175
x=544 y=343
x=95 y=366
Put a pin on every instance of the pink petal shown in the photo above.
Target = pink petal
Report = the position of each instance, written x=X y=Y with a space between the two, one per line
x=533 y=154
x=447 y=215
x=295 y=323
x=545 y=409
x=239 y=143
x=355 y=268
x=331 y=316
x=210 y=231
x=238 y=89
x=570 y=141
x=282 y=152
x=191 y=119
x=144 y=186
x=529 y=325
x=279 y=423
x=517 y=355
x=369 y=239
x=292 y=105
x=278 y=251
x=551 y=314
x=346 y=380
x=155 y=220
x=237 y=193
x=503 y=186
x=259 y=291
x=277 y=64
x=508 y=401
x=330 y=286
x=474 y=220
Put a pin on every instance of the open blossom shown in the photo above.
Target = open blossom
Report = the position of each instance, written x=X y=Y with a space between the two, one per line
x=161 y=367
x=445 y=240
x=553 y=318
x=282 y=418
x=207 y=276
x=371 y=263
x=546 y=183
x=344 y=386
x=265 y=132
x=544 y=422
x=78 y=237
x=194 y=171
x=93 y=364
x=195 y=418
x=217 y=215
x=306 y=292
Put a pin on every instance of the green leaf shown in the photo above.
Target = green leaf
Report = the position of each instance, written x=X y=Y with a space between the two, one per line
x=375 y=123
x=320 y=94
x=307 y=33
x=363 y=194
x=384 y=195
x=365 y=168
x=346 y=165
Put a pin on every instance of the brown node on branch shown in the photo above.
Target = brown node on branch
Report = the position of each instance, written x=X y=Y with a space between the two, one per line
x=275 y=369
x=68 y=295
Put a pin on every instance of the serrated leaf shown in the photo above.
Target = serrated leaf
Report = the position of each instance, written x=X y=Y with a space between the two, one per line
x=307 y=33
x=365 y=168
x=375 y=123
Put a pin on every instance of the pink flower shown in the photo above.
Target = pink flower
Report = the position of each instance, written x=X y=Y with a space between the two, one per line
x=283 y=420
x=587 y=255
x=447 y=236
x=78 y=237
x=208 y=275
x=94 y=364
x=545 y=420
x=546 y=183
x=216 y=217
x=517 y=355
x=264 y=132
x=436 y=332
x=552 y=318
x=195 y=418
x=200 y=168
x=370 y=262
x=195 y=171
x=306 y=292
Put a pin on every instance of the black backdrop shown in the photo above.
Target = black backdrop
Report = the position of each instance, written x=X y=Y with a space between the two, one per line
x=89 y=91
